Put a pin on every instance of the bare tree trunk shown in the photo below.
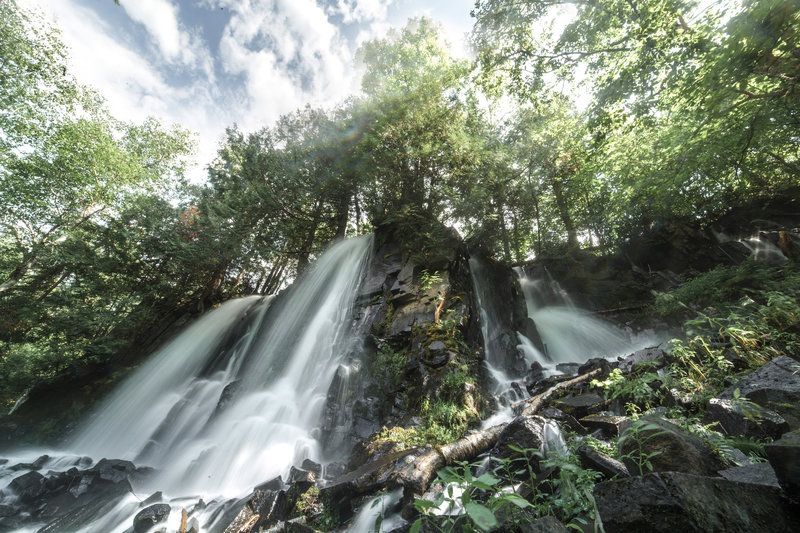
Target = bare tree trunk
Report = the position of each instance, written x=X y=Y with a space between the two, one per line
x=416 y=476
x=532 y=405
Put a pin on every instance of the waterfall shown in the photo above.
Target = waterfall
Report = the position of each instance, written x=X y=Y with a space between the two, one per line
x=495 y=358
x=568 y=333
x=217 y=415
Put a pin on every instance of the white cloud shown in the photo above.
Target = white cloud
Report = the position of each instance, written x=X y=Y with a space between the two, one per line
x=289 y=54
x=361 y=10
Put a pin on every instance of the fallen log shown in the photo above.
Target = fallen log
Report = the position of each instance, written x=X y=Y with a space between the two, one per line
x=532 y=405
x=416 y=476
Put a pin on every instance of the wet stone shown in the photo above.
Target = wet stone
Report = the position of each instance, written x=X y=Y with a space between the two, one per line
x=581 y=405
x=149 y=517
x=610 y=424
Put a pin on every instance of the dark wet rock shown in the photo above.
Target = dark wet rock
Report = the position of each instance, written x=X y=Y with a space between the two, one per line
x=303 y=479
x=298 y=525
x=581 y=405
x=28 y=486
x=156 y=497
x=570 y=369
x=343 y=495
x=535 y=374
x=262 y=510
x=673 y=501
x=595 y=460
x=312 y=466
x=741 y=417
x=36 y=465
x=79 y=513
x=150 y=516
x=610 y=424
x=7 y=510
x=784 y=456
x=563 y=419
x=594 y=364
x=529 y=329
x=774 y=386
x=754 y=474
x=524 y=432
x=654 y=356
x=546 y=524
x=545 y=383
x=386 y=264
x=275 y=483
x=667 y=447
x=113 y=470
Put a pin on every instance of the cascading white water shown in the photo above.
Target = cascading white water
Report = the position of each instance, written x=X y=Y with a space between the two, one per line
x=236 y=398
x=568 y=333
x=168 y=387
x=490 y=330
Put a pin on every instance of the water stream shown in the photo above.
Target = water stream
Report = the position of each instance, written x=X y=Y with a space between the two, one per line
x=234 y=400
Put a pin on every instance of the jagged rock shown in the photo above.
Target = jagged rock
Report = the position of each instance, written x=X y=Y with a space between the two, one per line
x=595 y=363
x=654 y=355
x=580 y=405
x=275 y=483
x=524 y=432
x=28 y=486
x=784 y=456
x=535 y=374
x=298 y=525
x=563 y=419
x=387 y=263
x=570 y=369
x=595 y=460
x=156 y=497
x=610 y=424
x=302 y=478
x=741 y=417
x=754 y=474
x=263 y=509
x=113 y=470
x=673 y=501
x=36 y=465
x=774 y=386
x=667 y=447
x=150 y=516
x=81 y=512
x=193 y=526
x=543 y=384
x=311 y=466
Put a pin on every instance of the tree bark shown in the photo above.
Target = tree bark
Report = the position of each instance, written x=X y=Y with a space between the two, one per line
x=416 y=476
x=532 y=405
x=563 y=211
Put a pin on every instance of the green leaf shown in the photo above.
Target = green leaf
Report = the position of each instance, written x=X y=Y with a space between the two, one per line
x=481 y=515
x=416 y=526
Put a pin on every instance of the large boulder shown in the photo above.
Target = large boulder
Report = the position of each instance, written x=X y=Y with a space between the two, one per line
x=654 y=356
x=774 y=386
x=784 y=456
x=525 y=433
x=673 y=501
x=652 y=443
x=741 y=417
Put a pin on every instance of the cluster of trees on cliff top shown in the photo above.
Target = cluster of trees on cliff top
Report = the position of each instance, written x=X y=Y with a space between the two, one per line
x=694 y=108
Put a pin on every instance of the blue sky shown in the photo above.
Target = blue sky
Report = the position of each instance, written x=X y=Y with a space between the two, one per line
x=207 y=64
